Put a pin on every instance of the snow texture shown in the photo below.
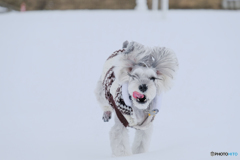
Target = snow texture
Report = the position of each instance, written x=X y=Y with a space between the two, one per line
x=51 y=61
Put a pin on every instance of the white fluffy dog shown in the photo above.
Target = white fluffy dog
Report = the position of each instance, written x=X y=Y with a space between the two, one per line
x=130 y=86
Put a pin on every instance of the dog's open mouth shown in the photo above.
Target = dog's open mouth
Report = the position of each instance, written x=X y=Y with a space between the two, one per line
x=140 y=98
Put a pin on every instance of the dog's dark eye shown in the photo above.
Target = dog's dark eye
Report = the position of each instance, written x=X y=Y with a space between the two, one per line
x=153 y=79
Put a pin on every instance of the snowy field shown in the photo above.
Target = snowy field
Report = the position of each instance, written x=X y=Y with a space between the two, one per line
x=50 y=63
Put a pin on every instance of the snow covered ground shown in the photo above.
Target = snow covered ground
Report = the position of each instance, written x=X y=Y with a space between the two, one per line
x=50 y=63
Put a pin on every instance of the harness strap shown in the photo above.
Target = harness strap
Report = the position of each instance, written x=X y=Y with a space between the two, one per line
x=118 y=113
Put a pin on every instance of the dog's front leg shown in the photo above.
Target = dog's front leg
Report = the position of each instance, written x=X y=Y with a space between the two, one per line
x=119 y=139
x=142 y=140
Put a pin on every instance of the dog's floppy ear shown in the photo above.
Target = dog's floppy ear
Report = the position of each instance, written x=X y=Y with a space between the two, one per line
x=166 y=64
x=133 y=52
x=125 y=44
x=129 y=47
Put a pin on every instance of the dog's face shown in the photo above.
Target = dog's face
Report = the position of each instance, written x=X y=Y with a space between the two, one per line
x=142 y=86
x=148 y=72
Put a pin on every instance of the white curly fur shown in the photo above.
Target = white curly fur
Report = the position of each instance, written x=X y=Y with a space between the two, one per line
x=165 y=63
x=144 y=61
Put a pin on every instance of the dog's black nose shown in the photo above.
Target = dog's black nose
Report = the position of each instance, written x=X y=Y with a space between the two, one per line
x=143 y=87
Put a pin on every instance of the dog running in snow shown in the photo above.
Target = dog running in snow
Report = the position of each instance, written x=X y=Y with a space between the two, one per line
x=130 y=86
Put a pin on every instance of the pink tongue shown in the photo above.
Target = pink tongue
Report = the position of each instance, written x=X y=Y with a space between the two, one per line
x=137 y=95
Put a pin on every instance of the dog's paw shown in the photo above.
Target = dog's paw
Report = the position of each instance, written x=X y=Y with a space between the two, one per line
x=106 y=116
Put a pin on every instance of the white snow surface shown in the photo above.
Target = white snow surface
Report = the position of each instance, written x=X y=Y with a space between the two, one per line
x=50 y=63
